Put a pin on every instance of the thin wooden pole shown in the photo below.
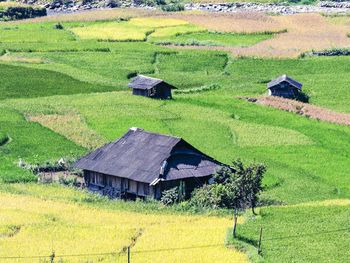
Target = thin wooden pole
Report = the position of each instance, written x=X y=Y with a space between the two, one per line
x=52 y=257
x=234 y=222
x=129 y=254
x=260 y=238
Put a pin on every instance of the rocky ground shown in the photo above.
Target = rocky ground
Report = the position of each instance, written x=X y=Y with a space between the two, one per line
x=321 y=7
x=69 y=6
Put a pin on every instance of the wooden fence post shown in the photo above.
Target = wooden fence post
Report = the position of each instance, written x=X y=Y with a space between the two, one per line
x=260 y=237
x=52 y=257
x=234 y=222
x=128 y=254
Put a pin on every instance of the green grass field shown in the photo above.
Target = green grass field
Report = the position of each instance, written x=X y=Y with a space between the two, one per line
x=302 y=233
x=61 y=95
x=212 y=39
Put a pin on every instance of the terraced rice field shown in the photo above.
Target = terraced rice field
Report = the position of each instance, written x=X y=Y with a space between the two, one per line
x=31 y=226
x=64 y=92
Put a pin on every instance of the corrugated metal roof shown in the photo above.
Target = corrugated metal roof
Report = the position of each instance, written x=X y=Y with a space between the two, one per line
x=144 y=82
x=139 y=155
x=283 y=78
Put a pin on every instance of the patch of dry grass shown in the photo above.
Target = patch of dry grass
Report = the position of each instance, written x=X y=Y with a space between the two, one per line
x=19 y=59
x=78 y=131
x=305 y=32
x=156 y=22
x=236 y=22
x=305 y=109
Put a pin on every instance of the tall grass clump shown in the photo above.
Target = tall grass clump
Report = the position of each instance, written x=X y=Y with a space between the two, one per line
x=4 y=138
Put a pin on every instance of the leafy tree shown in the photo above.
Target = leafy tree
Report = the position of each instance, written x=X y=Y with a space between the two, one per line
x=236 y=187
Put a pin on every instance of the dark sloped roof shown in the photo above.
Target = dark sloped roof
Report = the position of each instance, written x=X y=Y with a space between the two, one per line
x=187 y=165
x=143 y=82
x=139 y=156
x=283 y=78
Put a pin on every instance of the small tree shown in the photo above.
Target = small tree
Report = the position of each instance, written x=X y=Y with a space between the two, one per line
x=237 y=187
x=249 y=181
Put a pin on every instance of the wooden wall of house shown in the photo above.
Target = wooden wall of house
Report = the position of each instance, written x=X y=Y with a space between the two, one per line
x=158 y=92
x=140 y=92
x=100 y=181
x=284 y=90
x=163 y=92
x=186 y=185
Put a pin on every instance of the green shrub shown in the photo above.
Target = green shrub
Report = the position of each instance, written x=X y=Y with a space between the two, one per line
x=68 y=181
x=58 y=26
x=207 y=197
x=17 y=12
x=3 y=138
x=170 y=197
x=147 y=2
x=303 y=97
x=63 y=164
x=173 y=7
x=237 y=187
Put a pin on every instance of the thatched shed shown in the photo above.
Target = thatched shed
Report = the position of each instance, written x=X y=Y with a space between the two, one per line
x=151 y=87
x=285 y=87
x=142 y=163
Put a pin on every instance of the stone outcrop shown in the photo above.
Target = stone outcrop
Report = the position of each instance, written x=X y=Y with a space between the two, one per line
x=330 y=7
x=284 y=9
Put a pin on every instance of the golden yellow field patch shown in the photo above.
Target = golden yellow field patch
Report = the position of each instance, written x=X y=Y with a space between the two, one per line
x=331 y=202
x=31 y=226
x=112 y=31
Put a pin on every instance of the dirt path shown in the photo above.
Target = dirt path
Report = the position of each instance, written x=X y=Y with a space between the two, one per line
x=304 y=109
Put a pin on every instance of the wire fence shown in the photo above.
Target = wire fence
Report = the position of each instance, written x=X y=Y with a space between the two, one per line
x=126 y=254
x=303 y=235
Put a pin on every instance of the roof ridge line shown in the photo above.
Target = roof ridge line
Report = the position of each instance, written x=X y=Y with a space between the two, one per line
x=165 y=135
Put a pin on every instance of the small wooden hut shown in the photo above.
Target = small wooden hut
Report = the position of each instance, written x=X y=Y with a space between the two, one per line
x=142 y=164
x=285 y=87
x=151 y=87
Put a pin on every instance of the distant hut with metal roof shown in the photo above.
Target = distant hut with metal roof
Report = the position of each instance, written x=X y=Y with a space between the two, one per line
x=151 y=87
x=144 y=164
x=285 y=87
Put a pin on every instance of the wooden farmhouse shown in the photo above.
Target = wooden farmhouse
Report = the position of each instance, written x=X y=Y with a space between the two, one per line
x=151 y=87
x=144 y=164
x=285 y=87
